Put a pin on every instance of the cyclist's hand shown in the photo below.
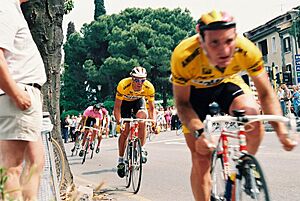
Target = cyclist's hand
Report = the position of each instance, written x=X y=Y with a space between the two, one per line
x=118 y=128
x=203 y=146
x=156 y=129
x=288 y=144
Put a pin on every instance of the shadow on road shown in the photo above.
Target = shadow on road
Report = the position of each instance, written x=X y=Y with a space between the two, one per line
x=100 y=171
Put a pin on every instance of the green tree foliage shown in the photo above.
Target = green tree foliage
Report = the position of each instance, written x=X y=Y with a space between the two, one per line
x=71 y=29
x=107 y=49
x=99 y=8
x=68 y=6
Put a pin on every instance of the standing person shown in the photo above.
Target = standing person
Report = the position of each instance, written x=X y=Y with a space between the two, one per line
x=296 y=99
x=113 y=124
x=130 y=98
x=204 y=69
x=287 y=98
x=280 y=96
x=22 y=74
x=65 y=128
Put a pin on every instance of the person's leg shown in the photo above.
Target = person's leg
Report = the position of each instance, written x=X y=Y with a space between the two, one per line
x=200 y=173
x=122 y=140
x=255 y=135
x=141 y=114
x=11 y=158
x=34 y=164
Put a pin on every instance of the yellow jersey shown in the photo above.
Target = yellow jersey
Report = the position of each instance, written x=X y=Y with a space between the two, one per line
x=126 y=92
x=191 y=67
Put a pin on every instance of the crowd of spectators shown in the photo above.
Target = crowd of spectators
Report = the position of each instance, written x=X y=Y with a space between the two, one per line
x=289 y=99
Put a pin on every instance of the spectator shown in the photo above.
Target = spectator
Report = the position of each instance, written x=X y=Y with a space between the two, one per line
x=287 y=95
x=296 y=99
x=22 y=74
x=72 y=127
x=280 y=95
x=113 y=124
x=65 y=128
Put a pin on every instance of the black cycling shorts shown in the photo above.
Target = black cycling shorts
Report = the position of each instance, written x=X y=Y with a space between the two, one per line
x=223 y=94
x=129 y=108
x=90 y=122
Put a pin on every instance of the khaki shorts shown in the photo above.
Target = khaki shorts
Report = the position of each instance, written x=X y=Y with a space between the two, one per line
x=21 y=125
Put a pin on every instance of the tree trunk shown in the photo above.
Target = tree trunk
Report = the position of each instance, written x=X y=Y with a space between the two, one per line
x=44 y=18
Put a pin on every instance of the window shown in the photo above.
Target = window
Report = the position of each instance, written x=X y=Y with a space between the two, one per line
x=288 y=67
x=273 y=45
x=263 y=46
x=287 y=44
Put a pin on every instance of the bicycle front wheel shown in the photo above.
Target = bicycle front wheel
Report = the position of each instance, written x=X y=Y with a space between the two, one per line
x=136 y=165
x=128 y=164
x=250 y=181
x=218 y=177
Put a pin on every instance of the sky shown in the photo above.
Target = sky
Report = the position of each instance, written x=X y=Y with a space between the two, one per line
x=248 y=14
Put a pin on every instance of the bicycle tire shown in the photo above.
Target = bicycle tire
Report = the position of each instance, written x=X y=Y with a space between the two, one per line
x=218 y=177
x=136 y=165
x=87 y=144
x=59 y=162
x=250 y=181
x=128 y=164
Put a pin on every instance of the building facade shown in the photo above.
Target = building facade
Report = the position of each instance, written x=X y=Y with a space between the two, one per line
x=279 y=42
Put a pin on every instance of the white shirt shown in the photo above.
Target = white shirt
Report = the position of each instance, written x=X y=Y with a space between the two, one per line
x=24 y=61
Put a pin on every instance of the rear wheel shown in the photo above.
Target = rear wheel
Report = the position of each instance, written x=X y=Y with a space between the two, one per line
x=136 y=165
x=128 y=162
x=250 y=182
x=218 y=178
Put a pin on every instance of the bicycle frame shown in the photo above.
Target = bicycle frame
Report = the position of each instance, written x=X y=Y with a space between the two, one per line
x=133 y=153
x=240 y=153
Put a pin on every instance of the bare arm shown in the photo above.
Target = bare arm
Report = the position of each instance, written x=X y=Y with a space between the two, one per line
x=185 y=111
x=152 y=111
x=117 y=110
x=271 y=105
x=9 y=86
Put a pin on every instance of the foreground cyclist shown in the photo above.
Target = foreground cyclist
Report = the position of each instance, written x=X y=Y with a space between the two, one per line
x=204 y=69
x=130 y=96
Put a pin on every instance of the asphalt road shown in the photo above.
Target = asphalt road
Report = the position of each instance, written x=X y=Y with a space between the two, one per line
x=166 y=174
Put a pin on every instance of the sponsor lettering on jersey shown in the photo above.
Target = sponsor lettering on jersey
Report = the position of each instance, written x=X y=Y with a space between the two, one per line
x=208 y=82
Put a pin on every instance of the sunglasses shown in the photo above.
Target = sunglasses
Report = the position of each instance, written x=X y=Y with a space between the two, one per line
x=139 y=80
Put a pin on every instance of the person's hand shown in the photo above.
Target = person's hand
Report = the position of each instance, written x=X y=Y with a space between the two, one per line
x=118 y=128
x=287 y=143
x=22 y=100
x=203 y=146
x=156 y=129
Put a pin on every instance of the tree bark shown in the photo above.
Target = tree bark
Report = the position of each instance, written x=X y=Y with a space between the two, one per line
x=44 y=18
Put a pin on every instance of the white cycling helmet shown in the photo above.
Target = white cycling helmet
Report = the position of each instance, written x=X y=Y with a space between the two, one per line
x=139 y=72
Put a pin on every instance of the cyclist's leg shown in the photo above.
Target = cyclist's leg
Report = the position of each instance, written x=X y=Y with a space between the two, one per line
x=141 y=114
x=140 y=111
x=122 y=140
x=200 y=174
x=246 y=101
x=85 y=133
